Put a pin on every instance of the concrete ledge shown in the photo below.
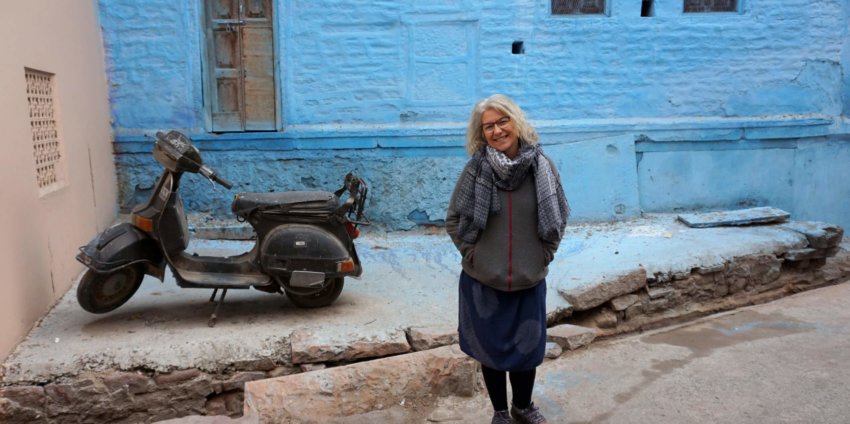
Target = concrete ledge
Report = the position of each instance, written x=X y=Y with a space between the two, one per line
x=624 y=277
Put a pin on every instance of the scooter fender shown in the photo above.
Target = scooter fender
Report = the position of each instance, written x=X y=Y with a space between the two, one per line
x=303 y=247
x=120 y=246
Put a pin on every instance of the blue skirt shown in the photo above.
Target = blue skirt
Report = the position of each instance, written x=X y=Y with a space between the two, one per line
x=505 y=331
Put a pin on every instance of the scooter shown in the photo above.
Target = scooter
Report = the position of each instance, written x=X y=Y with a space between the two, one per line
x=304 y=241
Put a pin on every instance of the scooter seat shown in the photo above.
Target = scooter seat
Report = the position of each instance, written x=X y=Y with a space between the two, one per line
x=296 y=202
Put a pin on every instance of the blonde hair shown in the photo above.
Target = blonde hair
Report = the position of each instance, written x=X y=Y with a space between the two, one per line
x=475 y=133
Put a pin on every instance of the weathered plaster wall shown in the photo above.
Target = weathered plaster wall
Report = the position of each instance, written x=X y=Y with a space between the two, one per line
x=845 y=57
x=806 y=177
x=41 y=234
x=389 y=85
x=153 y=61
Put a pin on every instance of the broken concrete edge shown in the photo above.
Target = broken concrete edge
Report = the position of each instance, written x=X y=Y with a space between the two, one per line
x=699 y=295
x=823 y=242
x=821 y=235
x=592 y=295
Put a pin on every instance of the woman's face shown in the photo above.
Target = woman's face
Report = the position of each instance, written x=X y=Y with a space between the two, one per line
x=499 y=132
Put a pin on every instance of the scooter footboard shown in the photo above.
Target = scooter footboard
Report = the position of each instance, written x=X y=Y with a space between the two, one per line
x=120 y=246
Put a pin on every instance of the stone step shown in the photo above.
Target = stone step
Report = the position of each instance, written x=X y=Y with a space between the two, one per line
x=325 y=395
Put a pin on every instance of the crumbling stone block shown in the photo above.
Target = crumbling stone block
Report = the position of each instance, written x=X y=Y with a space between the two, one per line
x=22 y=404
x=623 y=302
x=553 y=350
x=176 y=377
x=424 y=338
x=225 y=404
x=571 y=336
x=710 y=269
x=657 y=305
x=134 y=382
x=605 y=318
x=819 y=234
x=659 y=292
x=597 y=293
x=262 y=364
x=634 y=310
x=747 y=272
x=238 y=380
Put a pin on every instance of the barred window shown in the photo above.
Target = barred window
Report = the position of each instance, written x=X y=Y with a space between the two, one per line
x=700 y=6
x=578 y=7
x=46 y=144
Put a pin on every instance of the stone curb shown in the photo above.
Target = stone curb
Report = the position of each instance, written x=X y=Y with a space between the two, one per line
x=331 y=393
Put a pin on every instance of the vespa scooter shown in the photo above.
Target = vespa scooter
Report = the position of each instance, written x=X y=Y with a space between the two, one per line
x=304 y=241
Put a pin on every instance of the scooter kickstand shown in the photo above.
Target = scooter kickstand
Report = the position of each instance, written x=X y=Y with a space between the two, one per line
x=214 y=316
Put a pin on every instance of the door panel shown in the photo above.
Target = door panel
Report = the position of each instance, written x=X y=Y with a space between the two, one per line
x=259 y=78
x=240 y=63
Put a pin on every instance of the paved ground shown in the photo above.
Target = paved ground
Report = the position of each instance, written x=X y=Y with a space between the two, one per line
x=409 y=280
x=783 y=362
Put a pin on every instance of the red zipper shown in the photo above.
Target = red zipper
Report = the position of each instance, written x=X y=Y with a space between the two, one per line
x=510 y=240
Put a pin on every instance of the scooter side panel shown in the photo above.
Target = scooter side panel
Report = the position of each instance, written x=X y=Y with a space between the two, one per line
x=291 y=247
x=120 y=246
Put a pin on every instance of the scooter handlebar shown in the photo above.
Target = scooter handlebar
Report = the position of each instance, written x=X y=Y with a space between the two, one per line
x=227 y=184
x=209 y=173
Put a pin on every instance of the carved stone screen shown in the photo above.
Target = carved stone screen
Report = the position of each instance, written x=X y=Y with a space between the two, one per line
x=47 y=149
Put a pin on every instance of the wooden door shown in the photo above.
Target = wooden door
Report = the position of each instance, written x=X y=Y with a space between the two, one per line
x=240 y=65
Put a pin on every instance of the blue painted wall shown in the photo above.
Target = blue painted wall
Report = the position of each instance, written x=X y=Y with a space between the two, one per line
x=663 y=113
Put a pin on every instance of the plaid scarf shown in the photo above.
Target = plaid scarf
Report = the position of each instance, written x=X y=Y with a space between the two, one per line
x=490 y=170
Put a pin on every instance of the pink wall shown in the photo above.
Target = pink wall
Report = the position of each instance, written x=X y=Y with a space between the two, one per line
x=41 y=233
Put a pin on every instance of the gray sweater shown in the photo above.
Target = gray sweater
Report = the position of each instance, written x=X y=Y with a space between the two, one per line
x=508 y=255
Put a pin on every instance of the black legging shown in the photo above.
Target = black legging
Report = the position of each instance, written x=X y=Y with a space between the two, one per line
x=522 y=384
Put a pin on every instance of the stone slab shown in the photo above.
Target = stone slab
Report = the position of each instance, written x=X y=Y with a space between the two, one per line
x=570 y=336
x=623 y=302
x=599 y=292
x=750 y=216
x=553 y=350
x=430 y=337
x=659 y=292
x=362 y=387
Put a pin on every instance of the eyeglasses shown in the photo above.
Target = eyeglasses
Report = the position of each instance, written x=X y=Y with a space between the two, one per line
x=502 y=123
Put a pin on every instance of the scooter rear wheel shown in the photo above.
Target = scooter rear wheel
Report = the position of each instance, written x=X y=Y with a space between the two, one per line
x=323 y=297
x=100 y=293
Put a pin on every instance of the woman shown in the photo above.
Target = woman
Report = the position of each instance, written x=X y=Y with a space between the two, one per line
x=506 y=217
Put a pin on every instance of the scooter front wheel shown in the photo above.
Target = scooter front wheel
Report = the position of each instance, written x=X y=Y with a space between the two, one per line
x=100 y=293
x=323 y=297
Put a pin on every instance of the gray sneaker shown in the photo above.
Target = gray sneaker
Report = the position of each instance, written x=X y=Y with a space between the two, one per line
x=501 y=417
x=530 y=415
